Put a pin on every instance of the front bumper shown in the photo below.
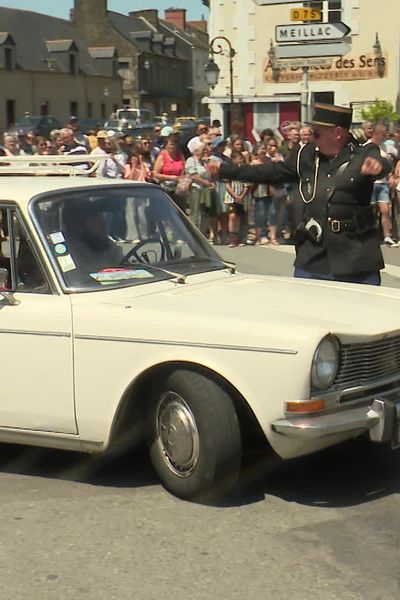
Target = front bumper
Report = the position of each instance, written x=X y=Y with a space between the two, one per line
x=381 y=419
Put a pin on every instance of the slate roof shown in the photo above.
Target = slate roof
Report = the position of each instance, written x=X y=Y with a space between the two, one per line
x=35 y=33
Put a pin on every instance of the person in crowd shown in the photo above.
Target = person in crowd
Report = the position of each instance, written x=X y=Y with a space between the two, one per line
x=266 y=134
x=10 y=145
x=337 y=238
x=114 y=166
x=264 y=210
x=201 y=130
x=100 y=150
x=136 y=169
x=291 y=142
x=216 y=128
x=26 y=142
x=368 y=130
x=67 y=144
x=156 y=142
x=381 y=192
x=218 y=146
x=145 y=153
x=168 y=167
x=92 y=139
x=237 y=131
x=79 y=137
x=199 y=196
x=237 y=144
x=42 y=147
x=305 y=135
x=236 y=191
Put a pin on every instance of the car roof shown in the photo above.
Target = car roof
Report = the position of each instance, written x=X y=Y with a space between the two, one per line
x=21 y=190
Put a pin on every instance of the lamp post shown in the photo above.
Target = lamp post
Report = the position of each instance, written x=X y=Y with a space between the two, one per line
x=212 y=70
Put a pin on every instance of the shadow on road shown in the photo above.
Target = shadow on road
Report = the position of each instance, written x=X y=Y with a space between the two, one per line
x=352 y=473
x=347 y=475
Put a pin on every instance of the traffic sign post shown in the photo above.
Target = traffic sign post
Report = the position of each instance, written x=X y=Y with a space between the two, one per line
x=311 y=50
x=311 y=32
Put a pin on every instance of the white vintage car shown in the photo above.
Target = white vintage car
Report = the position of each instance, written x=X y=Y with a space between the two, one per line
x=120 y=323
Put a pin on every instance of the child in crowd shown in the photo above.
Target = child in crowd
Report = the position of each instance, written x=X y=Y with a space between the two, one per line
x=235 y=195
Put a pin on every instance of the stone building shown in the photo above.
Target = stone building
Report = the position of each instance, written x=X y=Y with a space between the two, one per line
x=47 y=67
x=268 y=91
x=160 y=60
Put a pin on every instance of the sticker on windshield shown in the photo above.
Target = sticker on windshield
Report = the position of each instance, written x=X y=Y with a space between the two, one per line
x=57 y=237
x=109 y=276
x=66 y=263
x=60 y=248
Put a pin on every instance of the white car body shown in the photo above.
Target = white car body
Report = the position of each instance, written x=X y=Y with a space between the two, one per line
x=74 y=360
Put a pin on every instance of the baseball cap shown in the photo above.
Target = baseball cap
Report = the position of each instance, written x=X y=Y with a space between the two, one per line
x=217 y=141
x=166 y=131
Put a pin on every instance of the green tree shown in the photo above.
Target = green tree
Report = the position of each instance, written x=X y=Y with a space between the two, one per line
x=381 y=111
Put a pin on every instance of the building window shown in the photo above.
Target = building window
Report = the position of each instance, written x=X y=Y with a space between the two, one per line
x=103 y=110
x=8 y=59
x=10 y=112
x=331 y=10
x=44 y=108
x=89 y=110
x=72 y=64
x=73 y=109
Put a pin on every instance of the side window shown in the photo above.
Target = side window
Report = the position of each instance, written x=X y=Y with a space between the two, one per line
x=17 y=255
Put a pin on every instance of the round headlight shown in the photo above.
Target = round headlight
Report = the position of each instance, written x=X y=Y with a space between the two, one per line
x=325 y=363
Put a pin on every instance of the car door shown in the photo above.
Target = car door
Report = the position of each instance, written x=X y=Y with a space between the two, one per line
x=36 y=360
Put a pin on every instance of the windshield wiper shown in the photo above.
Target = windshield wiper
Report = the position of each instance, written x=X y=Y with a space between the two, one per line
x=178 y=276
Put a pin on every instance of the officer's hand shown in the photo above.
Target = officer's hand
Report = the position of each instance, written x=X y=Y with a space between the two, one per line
x=371 y=166
x=213 y=168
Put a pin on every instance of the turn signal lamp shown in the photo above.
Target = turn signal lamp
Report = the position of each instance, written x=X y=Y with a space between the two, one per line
x=305 y=406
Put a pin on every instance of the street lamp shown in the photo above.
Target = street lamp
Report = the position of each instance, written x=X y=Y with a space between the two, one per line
x=212 y=70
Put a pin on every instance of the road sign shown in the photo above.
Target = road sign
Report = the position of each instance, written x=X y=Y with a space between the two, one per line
x=305 y=14
x=308 y=50
x=287 y=63
x=310 y=32
x=266 y=2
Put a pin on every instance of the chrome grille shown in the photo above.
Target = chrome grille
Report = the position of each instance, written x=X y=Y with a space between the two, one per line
x=362 y=364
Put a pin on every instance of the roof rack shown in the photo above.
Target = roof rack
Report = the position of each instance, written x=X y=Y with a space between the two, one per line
x=50 y=164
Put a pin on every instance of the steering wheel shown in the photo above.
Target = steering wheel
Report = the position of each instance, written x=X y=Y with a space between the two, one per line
x=143 y=257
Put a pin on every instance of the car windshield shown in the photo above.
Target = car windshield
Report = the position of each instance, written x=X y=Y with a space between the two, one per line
x=27 y=122
x=115 y=236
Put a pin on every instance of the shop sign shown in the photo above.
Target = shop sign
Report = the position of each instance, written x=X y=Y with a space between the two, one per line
x=346 y=68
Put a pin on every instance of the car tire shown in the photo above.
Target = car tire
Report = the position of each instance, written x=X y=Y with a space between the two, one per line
x=195 y=442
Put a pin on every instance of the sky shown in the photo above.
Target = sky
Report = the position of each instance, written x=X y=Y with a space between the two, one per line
x=61 y=8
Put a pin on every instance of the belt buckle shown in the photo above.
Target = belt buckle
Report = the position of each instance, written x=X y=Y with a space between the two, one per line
x=335 y=225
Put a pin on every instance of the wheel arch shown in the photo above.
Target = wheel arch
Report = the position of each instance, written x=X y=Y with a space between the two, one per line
x=128 y=425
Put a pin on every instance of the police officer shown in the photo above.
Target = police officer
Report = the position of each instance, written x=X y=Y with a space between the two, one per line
x=337 y=236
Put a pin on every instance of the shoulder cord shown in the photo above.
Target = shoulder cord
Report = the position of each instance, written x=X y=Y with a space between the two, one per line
x=316 y=169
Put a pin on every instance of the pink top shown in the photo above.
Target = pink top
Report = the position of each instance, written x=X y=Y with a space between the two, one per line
x=172 y=166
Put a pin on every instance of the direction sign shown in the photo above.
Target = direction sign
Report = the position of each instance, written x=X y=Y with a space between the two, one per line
x=287 y=63
x=310 y=32
x=305 y=14
x=308 y=50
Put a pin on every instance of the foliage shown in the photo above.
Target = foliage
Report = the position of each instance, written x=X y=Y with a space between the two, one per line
x=381 y=111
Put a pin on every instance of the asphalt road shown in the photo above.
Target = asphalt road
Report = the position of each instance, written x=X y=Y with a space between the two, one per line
x=325 y=526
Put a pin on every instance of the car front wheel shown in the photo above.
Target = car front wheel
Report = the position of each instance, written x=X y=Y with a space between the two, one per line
x=195 y=443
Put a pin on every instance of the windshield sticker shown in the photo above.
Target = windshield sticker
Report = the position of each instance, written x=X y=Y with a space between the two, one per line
x=60 y=248
x=57 y=237
x=108 y=276
x=66 y=263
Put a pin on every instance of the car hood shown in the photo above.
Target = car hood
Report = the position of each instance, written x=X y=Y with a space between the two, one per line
x=240 y=309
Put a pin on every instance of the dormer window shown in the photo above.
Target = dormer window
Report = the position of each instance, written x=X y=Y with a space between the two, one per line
x=72 y=64
x=7 y=52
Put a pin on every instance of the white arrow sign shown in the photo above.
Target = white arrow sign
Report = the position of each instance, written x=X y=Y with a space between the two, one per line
x=310 y=32
x=307 y=50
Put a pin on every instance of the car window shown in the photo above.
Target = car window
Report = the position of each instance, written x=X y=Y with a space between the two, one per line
x=25 y=273
x=120 y=235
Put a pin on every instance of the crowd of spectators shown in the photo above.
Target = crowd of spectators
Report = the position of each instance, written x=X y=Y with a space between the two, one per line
x=227 y=212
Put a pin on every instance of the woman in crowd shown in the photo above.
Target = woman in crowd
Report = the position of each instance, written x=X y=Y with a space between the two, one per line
x=236 y=192
x=169 y=167
x=264 y=210
x=136 y=169
x=279 y=193
x=199 y=195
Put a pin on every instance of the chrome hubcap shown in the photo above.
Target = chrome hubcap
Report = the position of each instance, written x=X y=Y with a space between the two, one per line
x=177 y=434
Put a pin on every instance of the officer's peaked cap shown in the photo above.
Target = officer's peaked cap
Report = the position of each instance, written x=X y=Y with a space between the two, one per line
x=331 y=115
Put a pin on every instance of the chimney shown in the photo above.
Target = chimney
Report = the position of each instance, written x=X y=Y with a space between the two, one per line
x=176 y=16
x=85 y=9
x=151 y=15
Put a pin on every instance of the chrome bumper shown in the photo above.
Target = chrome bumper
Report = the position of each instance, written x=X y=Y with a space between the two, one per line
x=381 y=418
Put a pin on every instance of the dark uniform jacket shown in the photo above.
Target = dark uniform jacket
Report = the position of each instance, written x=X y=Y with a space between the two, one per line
x=333 y=192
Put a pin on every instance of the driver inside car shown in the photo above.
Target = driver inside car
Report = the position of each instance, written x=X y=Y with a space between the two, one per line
x=89 y=243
